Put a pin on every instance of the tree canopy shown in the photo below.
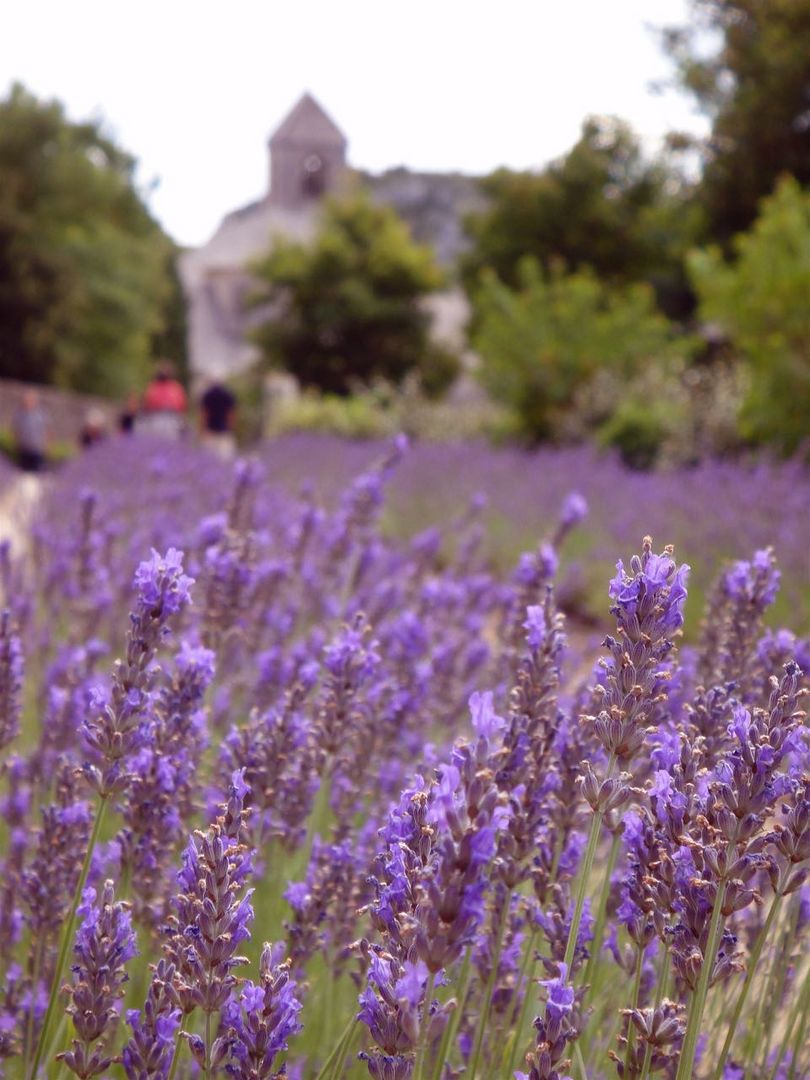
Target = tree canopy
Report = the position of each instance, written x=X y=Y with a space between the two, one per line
x=747 y=63
x=602 y=205
x=760 y=300
x=85 y=271
x=348 y=307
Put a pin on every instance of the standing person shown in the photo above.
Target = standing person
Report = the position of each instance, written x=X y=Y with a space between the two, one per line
x=94 y=429
x=128 y=415
x=217 y=415
x=164 y=404
x=30 y=433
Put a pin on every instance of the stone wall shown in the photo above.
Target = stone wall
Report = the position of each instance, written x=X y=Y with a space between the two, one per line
x=65 y=411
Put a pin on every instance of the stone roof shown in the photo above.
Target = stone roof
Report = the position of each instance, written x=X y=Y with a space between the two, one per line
x=308 y=124
x=434 y=206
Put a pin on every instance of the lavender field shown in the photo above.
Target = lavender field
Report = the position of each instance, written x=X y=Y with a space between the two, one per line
x=306 y=773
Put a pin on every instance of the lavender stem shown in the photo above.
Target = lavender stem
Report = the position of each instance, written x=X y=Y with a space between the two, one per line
x=423 y=1033
x=803 y=1014
x=756 y=952
x=327 y=1067
x=67 y=938
x=451 y=1028
x=587 y=866
x=601 y=915
x=660 y=991
x=633 y=1004
x=517 y=1028
x=699 y=1000
x=176 y=1055
x=481 y=1027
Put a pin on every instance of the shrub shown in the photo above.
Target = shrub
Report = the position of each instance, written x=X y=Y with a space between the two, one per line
x=543 y=342
x=761 y=301
x=345 y=308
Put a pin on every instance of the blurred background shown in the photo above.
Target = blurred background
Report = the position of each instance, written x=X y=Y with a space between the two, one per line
x=542 y=224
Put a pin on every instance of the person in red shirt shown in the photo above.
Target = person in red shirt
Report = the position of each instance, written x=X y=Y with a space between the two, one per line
x=164 y=404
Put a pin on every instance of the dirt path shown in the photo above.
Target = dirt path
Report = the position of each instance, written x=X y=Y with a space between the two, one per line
x=17 y=503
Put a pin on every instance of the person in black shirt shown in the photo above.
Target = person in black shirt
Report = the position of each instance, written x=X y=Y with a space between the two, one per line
x=217 y=415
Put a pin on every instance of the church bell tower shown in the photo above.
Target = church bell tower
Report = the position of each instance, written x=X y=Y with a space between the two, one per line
x=307 y=156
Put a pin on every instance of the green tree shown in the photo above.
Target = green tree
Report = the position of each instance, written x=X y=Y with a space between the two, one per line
x=346 y=308
x=602 y=205
x=84 y=268
x=761 y=301
x=542 y=342
x=747 y=63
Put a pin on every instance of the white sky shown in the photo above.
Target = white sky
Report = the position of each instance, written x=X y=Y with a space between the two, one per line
x=193 y=88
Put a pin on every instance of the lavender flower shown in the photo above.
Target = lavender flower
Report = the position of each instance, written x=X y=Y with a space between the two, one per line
x=104 y=943
x=391 y=1007
x=555 y=1029
x=744 y=593
x=648 y=605
x=11 y=671
x=213 y=910
x=574 y=509
x=160 y=800
x=148 y=1054
x=261 y=1021
x=325 y=905
x=119 y=728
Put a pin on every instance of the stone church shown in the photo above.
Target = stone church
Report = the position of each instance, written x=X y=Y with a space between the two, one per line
x=307 y=161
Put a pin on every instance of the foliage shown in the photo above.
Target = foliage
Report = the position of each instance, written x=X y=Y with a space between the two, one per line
x=351 y=416
x=688 y=411
x=84 y=269
x=170 y=341
x=382 y=410
x=637 y=430
x=602 y=205
x=540 y=344
x=754 y=86
x=761 y=301
x=346 y=308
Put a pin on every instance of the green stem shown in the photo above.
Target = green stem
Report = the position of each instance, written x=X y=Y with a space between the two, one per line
x=774 y=991
x=67 y=939
x=29 y=1022
x=645 y=1068
x=517 y=1028
x=207 y=1045
x=601 y=916
x=585 y=873
x=699 y=998
x=631 y=1031
x=502 y=915
x=753 y=960
x=423 y=1030
x=660 y=991
x=559 y=844
x=801 y=1030
x=345 y=1038
x=318 y=819
x=345 y=1044
x=583 y=1072
x=59 y=1040
x=663 y=976
x=452 y=1025
x=328 y=1013
x=177 y=1043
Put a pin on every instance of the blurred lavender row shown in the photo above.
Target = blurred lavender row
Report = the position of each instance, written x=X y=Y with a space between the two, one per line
x=714 y=511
